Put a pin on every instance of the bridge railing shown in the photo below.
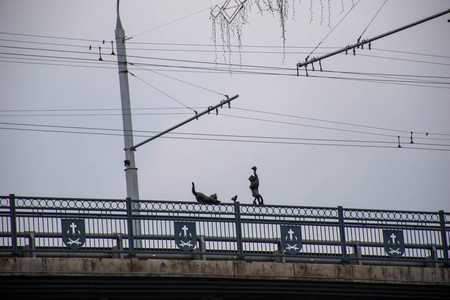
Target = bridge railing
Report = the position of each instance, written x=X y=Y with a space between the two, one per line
x=120 y=228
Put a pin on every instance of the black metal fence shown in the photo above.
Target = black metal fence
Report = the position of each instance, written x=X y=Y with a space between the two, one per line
x=167 y=229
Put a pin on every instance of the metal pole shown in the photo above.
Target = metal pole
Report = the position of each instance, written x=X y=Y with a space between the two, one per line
x=12 y=211
x=342 y=234
x=366 y=41
x=211 y=108
x=444 y=237
x=130 y=166
x=239 y=242
x=131 y=228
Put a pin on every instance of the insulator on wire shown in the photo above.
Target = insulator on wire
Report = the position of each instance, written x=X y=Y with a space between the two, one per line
x=100 y=53
x=112 y=48
x=412 y=142
x=399 y=146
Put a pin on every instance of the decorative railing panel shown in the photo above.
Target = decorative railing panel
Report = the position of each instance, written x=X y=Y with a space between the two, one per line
x=121 y=228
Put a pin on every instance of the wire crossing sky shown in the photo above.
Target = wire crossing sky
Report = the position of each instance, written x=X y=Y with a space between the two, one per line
x=327 y=138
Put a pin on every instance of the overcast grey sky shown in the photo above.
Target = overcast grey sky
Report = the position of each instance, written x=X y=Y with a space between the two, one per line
x=328 y=139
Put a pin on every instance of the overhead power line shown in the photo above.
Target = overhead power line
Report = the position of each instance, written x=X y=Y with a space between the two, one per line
x=237 y=138
x=187 y=47
x=182 y=65
x=49 y=37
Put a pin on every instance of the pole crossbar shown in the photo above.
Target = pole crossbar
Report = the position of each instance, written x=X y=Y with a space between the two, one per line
x=197 y=115
x=367 y=41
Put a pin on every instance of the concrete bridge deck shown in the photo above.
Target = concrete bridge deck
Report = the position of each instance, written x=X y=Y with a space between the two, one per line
x=109 y=278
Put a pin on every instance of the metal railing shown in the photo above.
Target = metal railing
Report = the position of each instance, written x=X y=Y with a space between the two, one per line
x=123 y=228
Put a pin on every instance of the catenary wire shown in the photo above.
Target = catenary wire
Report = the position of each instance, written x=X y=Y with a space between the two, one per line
x=370 y=23
x=206 y=45
x=181 y=68
x=214 y=134
x=394 y=144
x=200 y=62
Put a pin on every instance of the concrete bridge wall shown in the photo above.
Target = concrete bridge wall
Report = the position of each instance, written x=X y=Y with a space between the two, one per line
x=109 y=278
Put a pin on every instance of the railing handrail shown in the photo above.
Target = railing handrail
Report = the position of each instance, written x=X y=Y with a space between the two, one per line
x=232 y=228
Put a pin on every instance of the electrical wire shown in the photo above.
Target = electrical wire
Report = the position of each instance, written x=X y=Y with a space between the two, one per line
x=48 y=37
x=171 y=22
x=92 y=115
x=179 y=80
x=192 y=69
x=162 y=92
x=188 y=61
x=331 y=30
x=395 y=132
x=250 y=139
x=208 y=45
x=203 y=62
x=372 y=20
x=309 y=126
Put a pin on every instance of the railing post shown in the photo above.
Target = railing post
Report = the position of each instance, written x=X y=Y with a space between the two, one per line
x=342 y=234
x=130 y=227
x=444 y=237
x=237 y=211
x=12 y=211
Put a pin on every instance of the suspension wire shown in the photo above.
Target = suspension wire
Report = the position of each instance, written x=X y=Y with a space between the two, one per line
x=176 y=79
x=162 y=92
x=372 y=20
x=331 y=30
x=171 y=22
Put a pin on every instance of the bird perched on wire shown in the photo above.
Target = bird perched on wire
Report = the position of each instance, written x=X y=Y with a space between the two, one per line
x=254 y=185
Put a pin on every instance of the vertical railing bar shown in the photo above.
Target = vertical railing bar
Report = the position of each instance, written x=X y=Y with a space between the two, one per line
x=444 y=237
x=237 y=212
x=423 y=238
x=12 y=211
x=130 y=227
x=30 y=228
x=342 y=234
x=363 y=233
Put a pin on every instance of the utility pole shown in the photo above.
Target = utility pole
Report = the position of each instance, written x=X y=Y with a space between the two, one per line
x=130 y=165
